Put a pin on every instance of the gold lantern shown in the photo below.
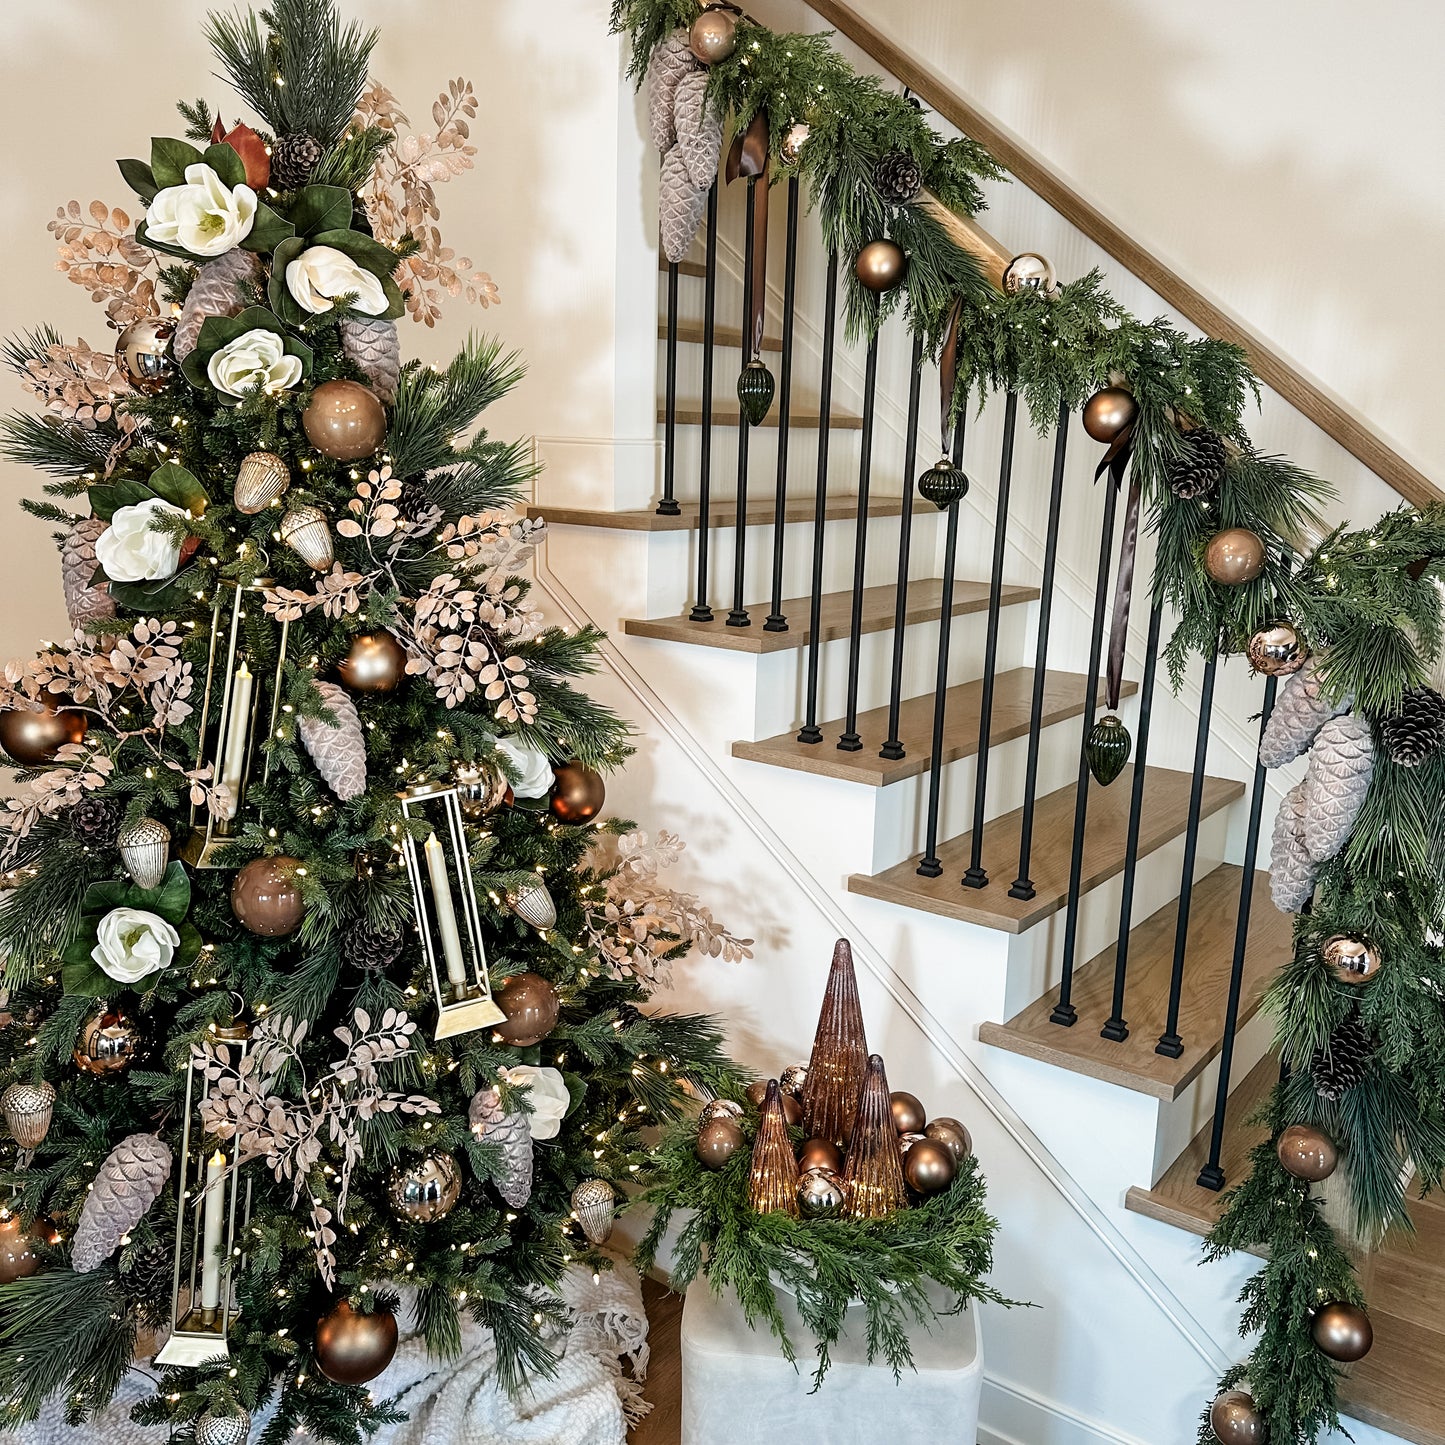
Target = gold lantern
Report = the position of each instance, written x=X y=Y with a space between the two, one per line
x=249 y=702
x=445 y=904
x=209 y=1198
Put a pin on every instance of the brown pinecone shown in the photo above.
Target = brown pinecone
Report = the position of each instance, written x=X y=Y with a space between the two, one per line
x=133 y=1175
x=1344 y=1060
x=293 y=158
x=95 y=822
x=372 y=948
x=897 y=178
x=1417 y=729
x=493 y=1125
x=1198 y=469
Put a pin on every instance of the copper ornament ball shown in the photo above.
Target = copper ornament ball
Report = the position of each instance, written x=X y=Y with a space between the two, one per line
x=531 y=1006
x=880 y=265
x=717 y=1141
x=376 y=662
x=714 y=36
x=909 y=1116
x=1234 y=556
x=944 y=1130
x=1235 y=1420
x=1108 y=412
x=1307 y=1153
x=820 y=1154
x=1352 y=960
x=1342 y=1331
x=792 y=1110
x=266 y=896
x=33 y=738
x=143 y=353
x=344 y=421
x=756 y=1092
x=18 y=1259
x=352 y=1348
x=928 y=1167
x=108 y=1044
x=578 y=793
x=1277 y=651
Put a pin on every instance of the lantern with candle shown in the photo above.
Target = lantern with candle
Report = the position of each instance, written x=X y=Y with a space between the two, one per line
x=445 y=902
x=246 y=688
x=209 y=1200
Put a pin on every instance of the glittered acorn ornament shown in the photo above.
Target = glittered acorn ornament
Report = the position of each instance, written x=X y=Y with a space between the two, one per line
x=1108 y=749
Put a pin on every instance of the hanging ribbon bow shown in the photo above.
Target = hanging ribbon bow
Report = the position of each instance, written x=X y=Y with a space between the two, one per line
x=1116 y=463
x=948 y=375
x=749 y=157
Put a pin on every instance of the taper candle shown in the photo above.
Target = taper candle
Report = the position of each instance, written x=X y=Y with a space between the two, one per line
x=213 y=1216
x=446 y=914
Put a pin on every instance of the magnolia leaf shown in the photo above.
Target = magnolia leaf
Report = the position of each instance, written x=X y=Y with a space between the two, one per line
x=140 y=178
x=268 y=230
x=223 y=159
x=174 y=484
x=169 y=159
x=107 y=498
x=318 y=209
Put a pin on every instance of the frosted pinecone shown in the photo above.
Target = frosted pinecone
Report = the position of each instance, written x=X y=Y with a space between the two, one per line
x=293 y=158
x=1417 y=729
x=130 y=1180
x=1344 y=1060
x=216 y=291
x=338 y=750
x=1198 y=469
x=375 y=348
x=511 y=1132
x=85 y=601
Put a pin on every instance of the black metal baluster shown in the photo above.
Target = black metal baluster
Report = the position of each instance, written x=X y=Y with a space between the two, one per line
x=850 y=742
x=1116 y=1027
x=1170 y=1044
x=1064 y=1012
x=1023 y=885
x=738 y=616
x=1212 y=1176
x=701 y=610
x=668 y=507
x=929 y=866
x=893 y=747
x=810 y=732
x=977 y=875
x=777 y=622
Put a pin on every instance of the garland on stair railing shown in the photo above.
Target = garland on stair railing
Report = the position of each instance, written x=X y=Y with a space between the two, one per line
x=1353 y=624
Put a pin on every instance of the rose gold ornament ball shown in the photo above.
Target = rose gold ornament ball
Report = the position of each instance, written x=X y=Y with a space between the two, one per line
x=908 y=1113
x=820 y=1154
x=1307 y=1153
x=344 y=421
x=714 y=36
x=717 y=1141
x=578 y=793
x=1234 y=556
x=1235 y=1420
x=531 y=1006
x=928 y=1167
x=376 y=662
x=951 y=1132
x=1108 y=412
x=352 y=1348
x=266 y=898
x=880 y=265
x=34 y=738
x=18 y=1259
x=1277 y=651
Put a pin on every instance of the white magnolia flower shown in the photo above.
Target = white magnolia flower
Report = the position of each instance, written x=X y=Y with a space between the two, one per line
x=254 y=357
x=130 y=550
x=322 y=273
x=204 y=216
x=132 y=943
x=548 y=1099
x=534 y=773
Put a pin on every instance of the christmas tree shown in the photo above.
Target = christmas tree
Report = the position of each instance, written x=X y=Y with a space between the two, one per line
x=324 y=980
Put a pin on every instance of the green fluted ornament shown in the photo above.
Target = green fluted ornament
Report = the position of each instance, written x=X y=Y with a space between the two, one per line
x=943 y=484
x=755 y=391
x=1108 y=749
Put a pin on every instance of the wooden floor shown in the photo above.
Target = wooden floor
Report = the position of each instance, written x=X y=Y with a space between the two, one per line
x=664 y=1374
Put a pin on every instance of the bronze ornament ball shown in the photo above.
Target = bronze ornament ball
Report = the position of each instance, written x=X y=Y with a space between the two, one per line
x=908 y=1112
x=792 y=1111
x=18 y=1259
x=714 y=35
x=352 y=1348
x=425 y=1190
x=1307 y=1153
x=1235 y=1420
x=531 y=1006
x=717 y=1141
x=266 y=897
x=1277 y=651
x=1342 y=1331
x=578 y=793
x=820 y=1154
x=944 y=1130
x=820 y=1193
x=756 y=1092
x=1109 y=412
x=1352 y=960
x=928 y=1167
x=344 y=421
x=880 y=265
x=143 y=353
x=376 y=662
x=108 y=1044
x=1234 y=556
x=33 y=738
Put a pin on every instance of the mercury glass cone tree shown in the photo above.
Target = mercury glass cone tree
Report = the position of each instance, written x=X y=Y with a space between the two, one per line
x=840 y=1055
x=773 y=1180
x=872 y=1175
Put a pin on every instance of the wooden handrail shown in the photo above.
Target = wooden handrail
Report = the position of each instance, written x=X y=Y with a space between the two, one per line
x=1305 y=395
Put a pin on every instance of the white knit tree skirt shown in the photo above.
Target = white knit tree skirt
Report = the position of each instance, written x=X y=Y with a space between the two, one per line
x=587 y=1402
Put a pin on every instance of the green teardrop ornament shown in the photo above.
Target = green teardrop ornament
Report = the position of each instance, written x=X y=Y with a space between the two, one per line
x=755 y=391
x=1108 y=749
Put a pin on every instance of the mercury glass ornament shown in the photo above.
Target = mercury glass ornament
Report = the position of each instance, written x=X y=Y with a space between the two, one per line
x=906 y=1142
x=143 y=353
x=425 y=1191
x=943 y=484
x=720 y=1109
x=594 y=1202
x=533 y=904
x=872 y=1171
x=305 y=532
x=28 y=1109
x=840 y=1055
x=1277 y=651
x=755 y=391
x=223 y=1429
x=1030 y=272
x=260 y=479
x=145 y=847
x=793 y=142
x=792 y=1079
x=773 y=1179
x=1352 y=960
x=820 y=1193
x=1108 y=749
x=108 y=1044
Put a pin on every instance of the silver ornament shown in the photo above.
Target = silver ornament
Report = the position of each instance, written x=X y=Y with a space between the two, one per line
x=794 y=141
x=533 y=904
x=260 y=479
x=145 y=847
x=1342 y=762
x=304 y=530
x=594 y=1202
x=28 y=1109
x=426 y=1190
x=820 y=1193
x=223 y=1429
x=792 y=1079
x=1030 y=272
x=719 y=1109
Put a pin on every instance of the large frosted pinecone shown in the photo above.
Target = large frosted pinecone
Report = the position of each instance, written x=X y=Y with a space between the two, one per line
x=293 y=158
x=216 y=291
x=1342 y=762
x=1300 y=711
x=1198 y=469
x=133 y=1175
x=1417 y=729
x=375 y=347
x=1344 y=1060
x=672 y=60
x=513 y=1135
x=339 y=750
x=897 y=178
x=85 y=601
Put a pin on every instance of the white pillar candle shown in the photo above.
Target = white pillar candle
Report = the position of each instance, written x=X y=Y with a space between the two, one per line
x=238 y=719
x=213 y=1220
x=446 y=913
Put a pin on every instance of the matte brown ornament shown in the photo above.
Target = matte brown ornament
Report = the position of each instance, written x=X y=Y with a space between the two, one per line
x=928 y=1167
x=18 y=1258
x=108 y=1044
x=945 y=1130
x=872 y=1173
x=143 y=353
x=880 y=265
x=352 y=1348
x=714 y=35
x=820 y=1154
x=720 y=1109
x=773 y=1178
x=578 y=793
x=376 y=662
x=531 y=1006
x=1307 y=1153
x=1109 y=412
x=717 y=1141
x=1277 y=651
x=1342 y=1331
x=821 y=1193
x=1235 y=1420
x=344 y=421
x=1352 y=960
x=909 y=1115
x=266 y=898
x=426 y=1190
x=1030 y=272
x=34 y=738
x=840 y=1055
x=260 y=479
x=1234 y=556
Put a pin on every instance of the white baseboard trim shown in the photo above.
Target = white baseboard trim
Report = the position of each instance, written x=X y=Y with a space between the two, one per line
x=1012 y=1415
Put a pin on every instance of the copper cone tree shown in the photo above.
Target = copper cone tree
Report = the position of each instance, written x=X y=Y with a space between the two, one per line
x=840 y=1055
x=872 y=1175
x=773 y=1182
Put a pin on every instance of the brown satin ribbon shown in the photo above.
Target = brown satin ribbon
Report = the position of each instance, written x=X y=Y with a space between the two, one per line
x=748 y=157
x=948 y=376
x=1116 y=462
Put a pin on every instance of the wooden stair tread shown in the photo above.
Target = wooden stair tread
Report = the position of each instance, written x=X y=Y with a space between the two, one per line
x=723 y=513
x=725 y=415
x=1166 y=799
x=1133 y=1063
x=684 y=268
x=924 y=601
x=1012 y=703
x=1399 y=1385
x=693 y=333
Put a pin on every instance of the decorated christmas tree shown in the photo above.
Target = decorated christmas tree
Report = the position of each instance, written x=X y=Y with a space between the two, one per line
x=325 y=984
